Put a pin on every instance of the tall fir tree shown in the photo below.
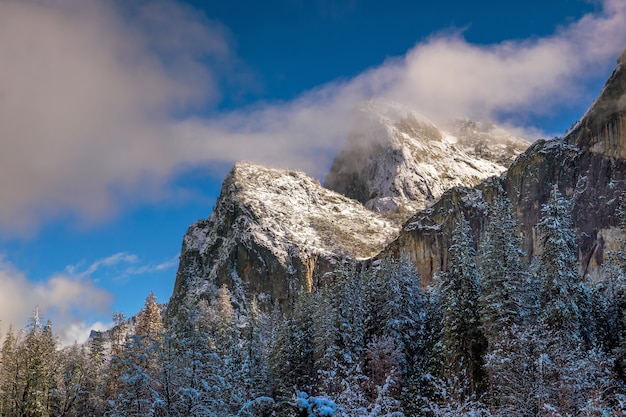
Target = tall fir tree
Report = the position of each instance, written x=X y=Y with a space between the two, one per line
x=462 y=343
x=138 y=364
x=557 y=270
x=566 y=366
x=503 y=306
x=292 y=351
x=9 y=375
x=39 y=352
x=502 y=273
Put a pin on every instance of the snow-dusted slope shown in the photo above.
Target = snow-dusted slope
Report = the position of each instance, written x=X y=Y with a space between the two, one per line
x=271 y=228
x=485 y=140
x=397 y=160
x=285 y=209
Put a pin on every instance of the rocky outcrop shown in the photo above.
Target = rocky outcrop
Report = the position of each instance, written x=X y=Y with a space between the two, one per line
x=396 y=160
x=485 y=140
x=588 y=165
x=273 y=233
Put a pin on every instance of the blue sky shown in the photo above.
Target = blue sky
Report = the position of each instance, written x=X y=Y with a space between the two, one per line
x=119 y=119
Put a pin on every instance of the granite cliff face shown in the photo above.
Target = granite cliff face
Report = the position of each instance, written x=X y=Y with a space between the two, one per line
x=275 y=232
x=272 y=233
x=397 y=160
x=588 y=165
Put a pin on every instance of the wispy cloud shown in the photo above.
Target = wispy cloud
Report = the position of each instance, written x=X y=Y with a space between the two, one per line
x=62 y=298
x=109 y=261
x=147 y=269
x=118 y=267
x=92 y=94
x=69 y=297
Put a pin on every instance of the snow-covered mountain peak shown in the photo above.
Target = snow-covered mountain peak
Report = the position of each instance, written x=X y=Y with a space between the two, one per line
x=290 y=213
x=292 y=209
x=273 y=231
x=397 y=160
x=387 y=122
x=486 y=140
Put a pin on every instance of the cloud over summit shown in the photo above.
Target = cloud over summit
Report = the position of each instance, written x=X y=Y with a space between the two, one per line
x=100 y=101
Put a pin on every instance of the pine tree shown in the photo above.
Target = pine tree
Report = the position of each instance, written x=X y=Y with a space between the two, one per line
x=256 y=342
x=37 y=357
x=114 y=366
x=558 y=272
x=562 y=306
x=139 y=390
x=503 y=307
x=95 y=381
x=197 y=384
x=9 y=375
x=292 y=351
x=228 y=348
x=502 y=274
x=402 y=310
x=462 y=343
x=395 y=316
x=339 y=340
x=609 y=297
x=71 y=397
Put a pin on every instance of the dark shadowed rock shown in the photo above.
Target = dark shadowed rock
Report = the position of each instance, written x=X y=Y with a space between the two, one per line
x=273 y=233
x=588 y=166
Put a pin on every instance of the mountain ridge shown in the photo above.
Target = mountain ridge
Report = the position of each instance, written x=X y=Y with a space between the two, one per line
x=398 y=160
x=588 y=167
x=271 y=235
x=272 y=223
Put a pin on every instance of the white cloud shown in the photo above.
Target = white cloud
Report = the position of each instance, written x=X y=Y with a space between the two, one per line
x=63 y=299
x=86 y=89
x=68 y=298
x=79 y=331
x=91 y=95
x=113 y=260
x=146 y=269
x=118 y=267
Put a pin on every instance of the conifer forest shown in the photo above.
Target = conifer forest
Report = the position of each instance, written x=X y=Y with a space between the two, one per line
x=494 y=335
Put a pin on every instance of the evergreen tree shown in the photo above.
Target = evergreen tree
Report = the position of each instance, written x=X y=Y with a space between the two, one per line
x=71 y=397
x=560 y=314
x=228 y=348
x=256 y=352
x=197 y=383
x=502 y=274
x=292 y=351
x=396 y=328
x=38 y=356
x=402 y=310
x=9 y=376
x=339 y=340
x=503 y=307
x=565 y=368
x=462 y=343
x=609 y=297
x=113 y=368
x=95 y=381
x=138 y=362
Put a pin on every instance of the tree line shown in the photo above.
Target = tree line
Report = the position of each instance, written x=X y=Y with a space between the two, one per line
x=492 y=336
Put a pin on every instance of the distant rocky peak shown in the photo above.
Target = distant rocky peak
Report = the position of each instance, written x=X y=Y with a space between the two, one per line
x=397 y=160
x=484 y=139
x=377 y=116
x=603 y=128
